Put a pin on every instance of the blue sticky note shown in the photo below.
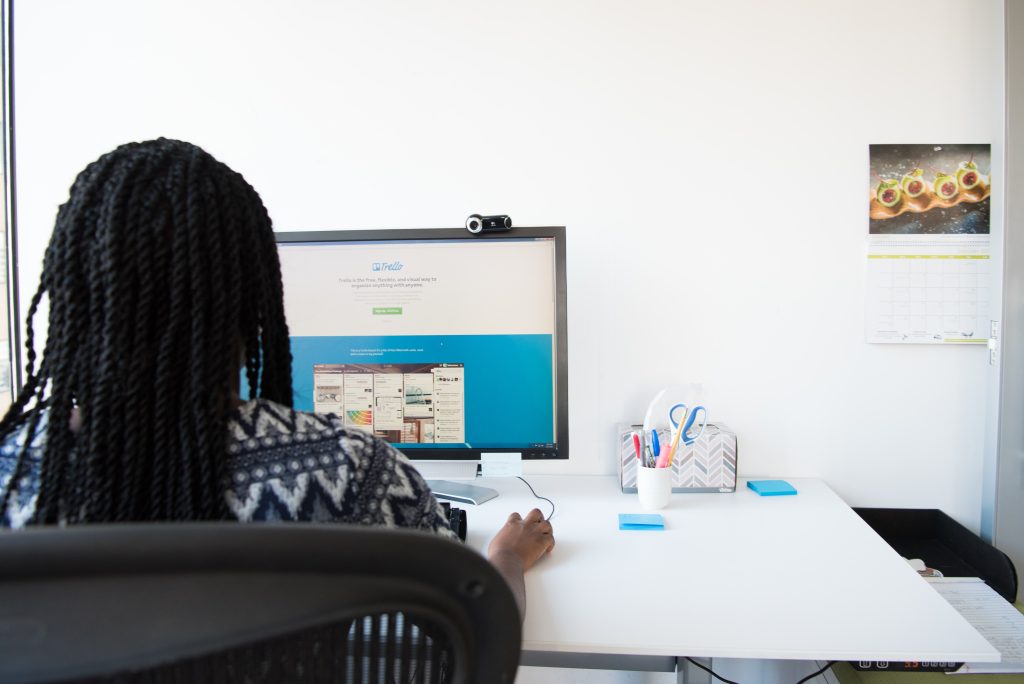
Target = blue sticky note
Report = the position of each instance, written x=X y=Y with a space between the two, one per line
x=771 y=487
x=641 y=521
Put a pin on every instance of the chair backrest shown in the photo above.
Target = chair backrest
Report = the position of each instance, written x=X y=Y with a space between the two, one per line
x=233 y=602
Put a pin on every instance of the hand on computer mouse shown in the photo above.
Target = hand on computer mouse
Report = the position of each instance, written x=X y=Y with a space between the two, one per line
x=527 y=538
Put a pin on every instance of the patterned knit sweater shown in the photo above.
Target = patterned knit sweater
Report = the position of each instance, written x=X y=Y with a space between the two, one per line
x=284 y=465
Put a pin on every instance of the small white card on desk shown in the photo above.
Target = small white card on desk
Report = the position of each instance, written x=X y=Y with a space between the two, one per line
x=501 y=464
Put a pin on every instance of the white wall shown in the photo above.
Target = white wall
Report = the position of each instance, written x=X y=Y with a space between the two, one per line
x=708 y=159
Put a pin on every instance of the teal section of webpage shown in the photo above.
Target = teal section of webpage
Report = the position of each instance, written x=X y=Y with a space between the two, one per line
x=509 y=395
x=641 y=521
x=771 y=487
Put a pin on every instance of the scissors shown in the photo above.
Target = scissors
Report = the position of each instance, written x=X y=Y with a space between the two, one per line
x=684 y=423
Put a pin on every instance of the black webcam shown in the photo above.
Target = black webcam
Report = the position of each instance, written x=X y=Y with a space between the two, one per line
x=488 y=224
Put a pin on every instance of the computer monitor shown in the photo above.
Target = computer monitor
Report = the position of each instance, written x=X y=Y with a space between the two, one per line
x=448 y=345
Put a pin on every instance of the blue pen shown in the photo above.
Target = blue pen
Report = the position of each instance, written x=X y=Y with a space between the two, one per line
x=655 y=444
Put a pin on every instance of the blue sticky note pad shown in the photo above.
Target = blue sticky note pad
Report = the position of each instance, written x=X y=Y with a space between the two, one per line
x=641 y=521
x=771 y=487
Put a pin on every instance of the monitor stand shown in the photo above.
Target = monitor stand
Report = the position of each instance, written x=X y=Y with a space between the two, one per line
x=463 y=473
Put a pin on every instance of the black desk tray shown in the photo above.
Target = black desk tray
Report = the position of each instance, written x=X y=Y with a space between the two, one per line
x=944 y=544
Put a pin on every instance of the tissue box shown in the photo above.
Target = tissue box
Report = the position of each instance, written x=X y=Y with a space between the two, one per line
x=707 y=465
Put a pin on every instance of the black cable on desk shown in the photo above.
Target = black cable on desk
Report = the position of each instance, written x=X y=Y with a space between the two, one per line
x=729 y=681
x=538 y=496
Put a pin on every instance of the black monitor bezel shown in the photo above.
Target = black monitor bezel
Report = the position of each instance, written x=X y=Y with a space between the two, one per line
x=561 y=450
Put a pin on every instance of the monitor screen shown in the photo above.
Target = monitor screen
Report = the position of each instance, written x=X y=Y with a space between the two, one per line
x=444 y=343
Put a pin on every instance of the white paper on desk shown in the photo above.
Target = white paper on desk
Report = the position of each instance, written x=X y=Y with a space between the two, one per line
x=501 y=464
x=994 y=617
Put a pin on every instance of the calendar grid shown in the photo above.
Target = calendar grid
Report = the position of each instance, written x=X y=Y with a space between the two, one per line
x=928 y=291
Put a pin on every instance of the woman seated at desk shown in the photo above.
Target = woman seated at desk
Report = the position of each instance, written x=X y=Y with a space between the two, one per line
x=163 y=278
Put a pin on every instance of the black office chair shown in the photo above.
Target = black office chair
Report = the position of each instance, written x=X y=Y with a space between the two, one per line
x=225 y=602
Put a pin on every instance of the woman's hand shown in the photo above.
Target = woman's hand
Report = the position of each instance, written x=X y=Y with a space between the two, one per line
x=527 y=538
x=517 y=546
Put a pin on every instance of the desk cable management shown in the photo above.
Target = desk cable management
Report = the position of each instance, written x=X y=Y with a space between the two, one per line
x=538 y=496
x=729 y=681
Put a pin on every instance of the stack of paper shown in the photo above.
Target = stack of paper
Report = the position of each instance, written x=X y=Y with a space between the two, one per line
x=994 y=617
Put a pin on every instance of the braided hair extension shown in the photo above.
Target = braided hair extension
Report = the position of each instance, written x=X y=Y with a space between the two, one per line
x=162 y=272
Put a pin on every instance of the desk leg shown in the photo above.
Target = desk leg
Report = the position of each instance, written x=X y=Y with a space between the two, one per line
x=688 y=673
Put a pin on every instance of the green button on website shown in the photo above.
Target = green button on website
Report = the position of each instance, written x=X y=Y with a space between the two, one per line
x=387 y=310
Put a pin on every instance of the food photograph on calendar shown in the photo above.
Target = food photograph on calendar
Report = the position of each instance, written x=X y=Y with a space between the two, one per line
x=929 y=189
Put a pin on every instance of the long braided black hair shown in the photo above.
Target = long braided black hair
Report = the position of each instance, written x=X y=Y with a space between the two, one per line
x=162 y=274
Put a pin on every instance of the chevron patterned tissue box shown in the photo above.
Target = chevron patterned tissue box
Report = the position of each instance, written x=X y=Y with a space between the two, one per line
x=707 y=465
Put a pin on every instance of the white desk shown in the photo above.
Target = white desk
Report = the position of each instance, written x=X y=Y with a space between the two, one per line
x=732 y=576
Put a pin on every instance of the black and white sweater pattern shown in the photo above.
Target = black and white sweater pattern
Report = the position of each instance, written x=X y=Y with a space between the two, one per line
x=285 y=465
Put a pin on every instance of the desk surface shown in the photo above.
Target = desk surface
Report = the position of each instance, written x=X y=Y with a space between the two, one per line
x=731 y=576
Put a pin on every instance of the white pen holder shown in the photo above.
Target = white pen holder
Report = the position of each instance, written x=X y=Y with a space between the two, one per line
x=653 y=487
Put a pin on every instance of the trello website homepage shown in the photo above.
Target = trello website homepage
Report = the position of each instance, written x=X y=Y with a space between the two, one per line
x=426 y=344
